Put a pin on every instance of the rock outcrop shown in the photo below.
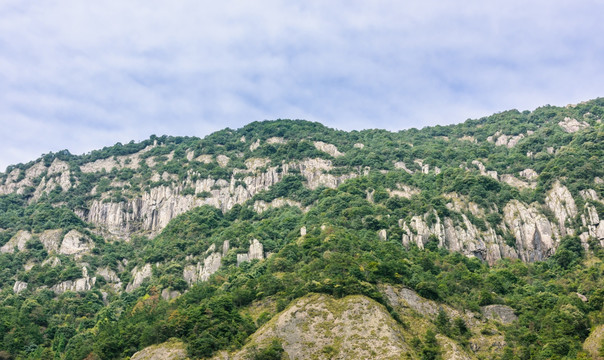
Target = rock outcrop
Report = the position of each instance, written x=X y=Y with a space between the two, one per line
x=51 y=240
x=202 y=272
x=593 y=343
x=316 y=325
x=111 y=278
x=464 y=237
x=75 y=243
x=84 y=283
x=561 y=203
x=572 y=125
x=138 y=276
x=171 y=350
x=502 y=313
x=328 y=148
x=536 y=238
x=261 y=206
x=256 y=251
x=17 y=242
x=501 y=139
x=19 y=286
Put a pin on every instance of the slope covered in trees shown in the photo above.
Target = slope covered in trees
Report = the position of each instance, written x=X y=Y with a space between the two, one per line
x=207 y=240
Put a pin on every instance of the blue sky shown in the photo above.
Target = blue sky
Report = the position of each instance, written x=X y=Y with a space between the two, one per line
x=81 y=75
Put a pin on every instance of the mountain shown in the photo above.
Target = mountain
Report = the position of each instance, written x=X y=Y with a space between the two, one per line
x=288 y=239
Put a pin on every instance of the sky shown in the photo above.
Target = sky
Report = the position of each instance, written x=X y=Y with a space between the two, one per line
x=81 y=75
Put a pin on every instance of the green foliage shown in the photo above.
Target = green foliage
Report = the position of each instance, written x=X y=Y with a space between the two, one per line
x=340 y=253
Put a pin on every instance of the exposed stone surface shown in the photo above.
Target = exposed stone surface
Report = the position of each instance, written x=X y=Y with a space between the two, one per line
x=561 y=203
x=501 y=139
x=359 y=145
x=166 y=294
x=594 y=341
x=74 y=243
x=18 y=241
x=422 y=313
x=110 y=277
x=19 y=286
x=483 y=170
x=529 y=174
x=202 y=272
x=383 y=235
x=126 y=161
x=52 y=261
x=85 y=283
x=222 y=160
x=255 y=145
x=255 y=163
x=451 y=350
x=502 y=313
x=206 y=159
x=138 y=276
x=171 y=350
x=515 y=182
x=403 y=191
x=260 y=206
x=275 y=140
x=354 y=327
x=328 y=148
x=425 y=168
x=51 y=240
x=151 y=212
x=256 y=251
x=401 y=165
x=536 y=238
x=572 y=125
x=465 y=238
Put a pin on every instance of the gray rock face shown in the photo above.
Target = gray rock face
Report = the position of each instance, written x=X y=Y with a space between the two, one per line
x=328 y=148
x=138 y=276
x=590 y=219
x=151 y=212
x=536 y=238
x=401 y=165
x=529 y=174
x=261 y=206
x=18 y=241
x=166 y=294
x=51 y=239
x=53 y=261
x=561 y=203
x=501 y=139
x=74 y=243
x=403 y=191
x=110 y=277
x=501 y=313
x=364 y=330
x=171 y=350
x=19 y=286
x=85 y=283
x=202 y=272
x=256 y=251
x=465 y=237
x=572 y=125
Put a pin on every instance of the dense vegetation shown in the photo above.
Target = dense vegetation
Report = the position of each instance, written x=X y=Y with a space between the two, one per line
x=340 y=255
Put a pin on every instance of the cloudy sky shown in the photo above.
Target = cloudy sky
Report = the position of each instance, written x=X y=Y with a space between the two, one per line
x=80 y=75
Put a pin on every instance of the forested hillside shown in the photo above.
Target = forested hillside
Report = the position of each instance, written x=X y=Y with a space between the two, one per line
x=288 y=239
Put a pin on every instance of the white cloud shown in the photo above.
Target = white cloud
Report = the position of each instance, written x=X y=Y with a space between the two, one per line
x=80 y=76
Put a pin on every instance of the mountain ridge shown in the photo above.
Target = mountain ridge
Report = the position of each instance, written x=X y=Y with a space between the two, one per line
x=280 y=209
